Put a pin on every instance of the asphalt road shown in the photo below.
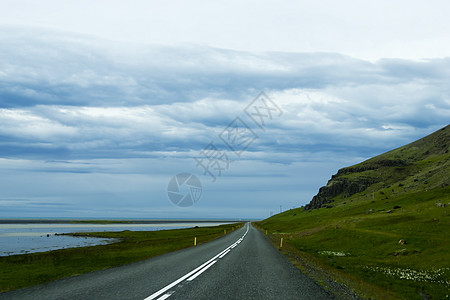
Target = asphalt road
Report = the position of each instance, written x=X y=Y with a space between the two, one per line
x=240 y=265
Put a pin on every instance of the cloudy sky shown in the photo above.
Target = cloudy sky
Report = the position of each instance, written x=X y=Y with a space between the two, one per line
x=103 y=102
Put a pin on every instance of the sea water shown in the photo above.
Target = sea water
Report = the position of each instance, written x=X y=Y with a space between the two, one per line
x=28 y=238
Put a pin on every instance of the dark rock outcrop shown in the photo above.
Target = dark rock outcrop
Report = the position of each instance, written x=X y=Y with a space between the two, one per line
x=388 y=169
x=336 y=186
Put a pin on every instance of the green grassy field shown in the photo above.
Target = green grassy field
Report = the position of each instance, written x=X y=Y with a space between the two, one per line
x=19 y=271
x=357 y=242
x=351 y=230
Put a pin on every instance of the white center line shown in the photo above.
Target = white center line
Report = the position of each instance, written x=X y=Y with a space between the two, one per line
x=201 y=271
x=165 y=296
x=191 y=274
x=223 y=254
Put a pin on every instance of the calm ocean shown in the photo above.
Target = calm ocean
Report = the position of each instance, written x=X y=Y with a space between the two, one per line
x=27 y=238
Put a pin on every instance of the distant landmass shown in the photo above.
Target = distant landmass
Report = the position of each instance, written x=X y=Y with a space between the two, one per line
x=109 y=221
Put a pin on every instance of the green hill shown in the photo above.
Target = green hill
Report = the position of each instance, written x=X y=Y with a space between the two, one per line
x=379 y=228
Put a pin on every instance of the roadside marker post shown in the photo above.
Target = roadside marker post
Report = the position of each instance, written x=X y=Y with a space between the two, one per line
x=281 y=243
x=195 y=241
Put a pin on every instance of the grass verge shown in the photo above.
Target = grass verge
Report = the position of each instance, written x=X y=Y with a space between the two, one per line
x=18 y=271
x=358 y=243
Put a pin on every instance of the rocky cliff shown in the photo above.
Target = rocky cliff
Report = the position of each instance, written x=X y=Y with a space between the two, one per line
x=423 y=163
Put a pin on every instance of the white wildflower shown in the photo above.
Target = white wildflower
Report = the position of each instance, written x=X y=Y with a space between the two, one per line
x=432 y=275
x=333 y=253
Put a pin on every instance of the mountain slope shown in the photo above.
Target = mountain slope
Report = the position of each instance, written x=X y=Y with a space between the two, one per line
x=419 y=165
x=379 y=227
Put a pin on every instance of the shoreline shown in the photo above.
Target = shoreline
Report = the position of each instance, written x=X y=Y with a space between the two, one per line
x=19 y=271
x=116 y=221
x=19 y=237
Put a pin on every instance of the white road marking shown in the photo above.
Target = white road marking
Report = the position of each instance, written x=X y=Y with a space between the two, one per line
x=188 y=275
x=225 y=253
x=168 y=287
x=201 y=271
x=165 y=296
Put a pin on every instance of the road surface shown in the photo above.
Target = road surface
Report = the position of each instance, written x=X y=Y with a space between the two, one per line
x=240 y=265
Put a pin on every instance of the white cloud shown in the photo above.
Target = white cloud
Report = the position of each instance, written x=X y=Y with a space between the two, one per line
x=92 y=124
x=23 y=124
x=407 y=29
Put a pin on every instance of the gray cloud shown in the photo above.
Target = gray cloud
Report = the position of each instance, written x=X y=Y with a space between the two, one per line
x=92 y=110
